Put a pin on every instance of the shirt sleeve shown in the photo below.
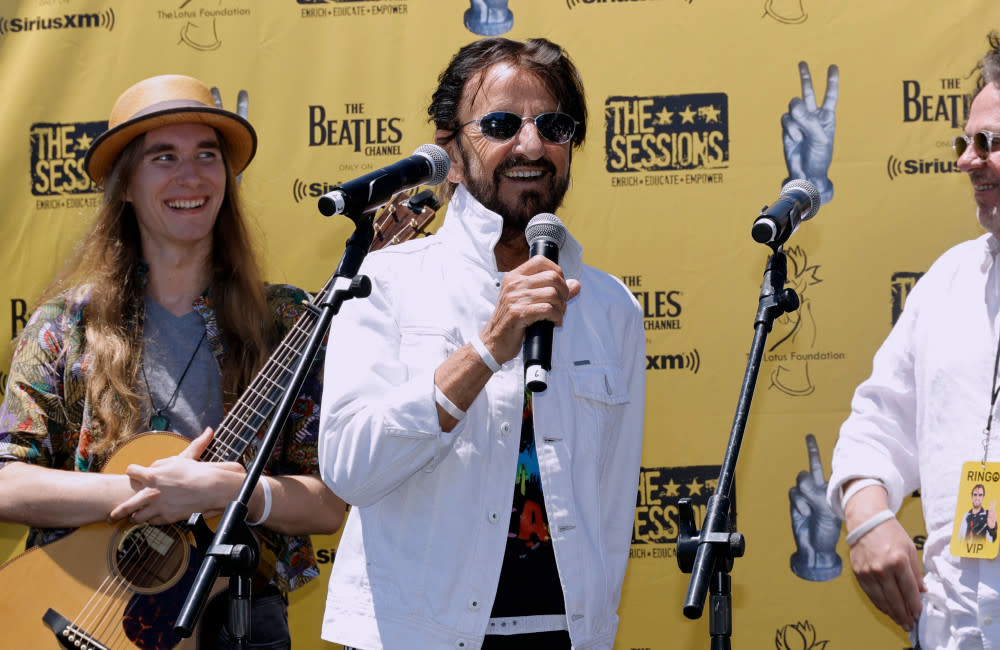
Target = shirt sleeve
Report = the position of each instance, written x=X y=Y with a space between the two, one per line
x=878 y=439
x=35 y=417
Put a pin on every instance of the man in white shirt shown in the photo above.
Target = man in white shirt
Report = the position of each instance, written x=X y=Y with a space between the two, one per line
x=918 y=423
x=485 y=514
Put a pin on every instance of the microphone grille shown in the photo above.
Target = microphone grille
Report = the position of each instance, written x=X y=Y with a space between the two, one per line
x=546 y=226
x=440 y=163
x=807 y=187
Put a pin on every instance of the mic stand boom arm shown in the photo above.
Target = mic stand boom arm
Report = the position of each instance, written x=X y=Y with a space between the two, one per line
x=708 y=555
x=233 y=551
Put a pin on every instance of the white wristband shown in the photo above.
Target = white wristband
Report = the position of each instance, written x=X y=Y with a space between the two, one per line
x=855 y=487
x=446 y=404
x=484 y=354
x=266 y=486
x=866 y=527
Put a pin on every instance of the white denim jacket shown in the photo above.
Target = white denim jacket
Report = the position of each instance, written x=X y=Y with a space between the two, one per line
x=420 y=557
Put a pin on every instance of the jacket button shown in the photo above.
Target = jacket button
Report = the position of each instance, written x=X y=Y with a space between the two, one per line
x=505 y=428
x=494 y=517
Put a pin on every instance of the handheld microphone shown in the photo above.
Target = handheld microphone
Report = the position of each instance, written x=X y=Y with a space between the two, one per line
x=428 y=165
x=546 y=234
x=797 y=202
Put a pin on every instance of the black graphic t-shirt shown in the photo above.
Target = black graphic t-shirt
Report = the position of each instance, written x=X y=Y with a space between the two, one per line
x=529 y=579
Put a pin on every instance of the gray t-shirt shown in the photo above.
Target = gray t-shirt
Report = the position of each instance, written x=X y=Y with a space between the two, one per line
x=169 y=343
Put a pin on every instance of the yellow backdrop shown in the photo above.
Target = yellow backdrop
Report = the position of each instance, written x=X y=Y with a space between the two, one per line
x=686 y=144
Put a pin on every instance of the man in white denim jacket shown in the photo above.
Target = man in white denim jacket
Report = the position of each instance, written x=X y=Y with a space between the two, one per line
x=921 y=416
x=484 y=515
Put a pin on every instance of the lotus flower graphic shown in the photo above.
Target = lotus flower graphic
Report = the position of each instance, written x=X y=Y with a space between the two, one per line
x=798 y=636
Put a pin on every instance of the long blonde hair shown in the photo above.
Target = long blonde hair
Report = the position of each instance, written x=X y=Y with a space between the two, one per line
x=105 y=267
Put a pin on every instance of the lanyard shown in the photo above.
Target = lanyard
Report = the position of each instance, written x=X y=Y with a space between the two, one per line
x=993 y=402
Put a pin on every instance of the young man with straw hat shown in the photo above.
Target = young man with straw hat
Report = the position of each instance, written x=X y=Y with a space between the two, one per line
x=160 y=321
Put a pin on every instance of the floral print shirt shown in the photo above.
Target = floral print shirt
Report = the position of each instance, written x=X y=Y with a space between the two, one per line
x=47 y=420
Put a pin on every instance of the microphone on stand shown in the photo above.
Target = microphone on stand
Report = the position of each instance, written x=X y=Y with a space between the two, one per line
x=546 y=234
x=428 y=165
x=797 y=202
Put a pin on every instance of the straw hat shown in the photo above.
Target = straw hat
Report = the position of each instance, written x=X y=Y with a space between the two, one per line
x=161 y=101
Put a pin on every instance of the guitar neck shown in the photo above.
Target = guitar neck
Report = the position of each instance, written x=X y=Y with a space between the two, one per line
x=405 y=217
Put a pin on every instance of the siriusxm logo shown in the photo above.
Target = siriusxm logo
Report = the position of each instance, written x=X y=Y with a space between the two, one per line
x=666 y=132
x=896 y=167
x=690 y=361
x=104 y=19
x=302 y=190
x=57 y=152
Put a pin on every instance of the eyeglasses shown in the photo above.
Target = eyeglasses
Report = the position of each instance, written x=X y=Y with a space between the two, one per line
x=557 y=128
x=982 y=143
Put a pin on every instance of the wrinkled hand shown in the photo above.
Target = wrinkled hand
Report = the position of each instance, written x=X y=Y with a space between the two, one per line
x=173 y=488
x=886 y=565
x=807 y=132
x=534 y=291
x=814 y=525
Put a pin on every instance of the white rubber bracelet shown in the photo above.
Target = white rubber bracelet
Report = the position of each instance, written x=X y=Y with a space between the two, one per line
x=266 y=486
x=866 y=527
x=446 y=404
x=484 y=354
x=856 y=487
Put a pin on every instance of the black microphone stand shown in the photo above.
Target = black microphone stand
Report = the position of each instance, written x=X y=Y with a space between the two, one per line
x=233 y=551
x=709 y=555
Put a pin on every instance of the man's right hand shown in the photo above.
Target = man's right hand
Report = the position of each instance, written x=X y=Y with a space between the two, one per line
x=534 y=291
x=885 y=560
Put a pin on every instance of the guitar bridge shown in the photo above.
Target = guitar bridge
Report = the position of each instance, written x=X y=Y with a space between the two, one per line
x=69 y=635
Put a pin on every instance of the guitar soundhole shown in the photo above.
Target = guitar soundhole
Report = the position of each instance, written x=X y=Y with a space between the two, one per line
x=150 y=558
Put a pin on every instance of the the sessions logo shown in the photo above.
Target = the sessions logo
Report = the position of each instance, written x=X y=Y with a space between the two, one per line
x=349 y=8
x=354 y=130
x=57 y=152
x=660 y=488
x=104 y=19
x=683 y=135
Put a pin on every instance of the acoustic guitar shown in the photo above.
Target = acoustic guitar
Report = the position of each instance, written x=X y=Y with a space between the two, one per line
x=121 y=586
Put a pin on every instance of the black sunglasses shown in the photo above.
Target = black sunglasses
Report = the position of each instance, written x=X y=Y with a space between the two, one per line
x=557 y=128
x=982 y=143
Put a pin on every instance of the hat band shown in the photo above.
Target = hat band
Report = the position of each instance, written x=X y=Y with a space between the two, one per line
x=169 y=105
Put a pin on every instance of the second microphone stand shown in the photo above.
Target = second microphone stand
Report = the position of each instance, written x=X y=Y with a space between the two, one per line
x=708 y=555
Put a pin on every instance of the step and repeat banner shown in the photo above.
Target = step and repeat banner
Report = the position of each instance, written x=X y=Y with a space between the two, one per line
x=700 y=111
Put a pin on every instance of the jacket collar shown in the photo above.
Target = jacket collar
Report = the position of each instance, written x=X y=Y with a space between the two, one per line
x=474 y=231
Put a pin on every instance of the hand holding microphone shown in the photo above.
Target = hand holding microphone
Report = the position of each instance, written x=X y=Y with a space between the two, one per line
x=546 y=235
x=532 y=301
